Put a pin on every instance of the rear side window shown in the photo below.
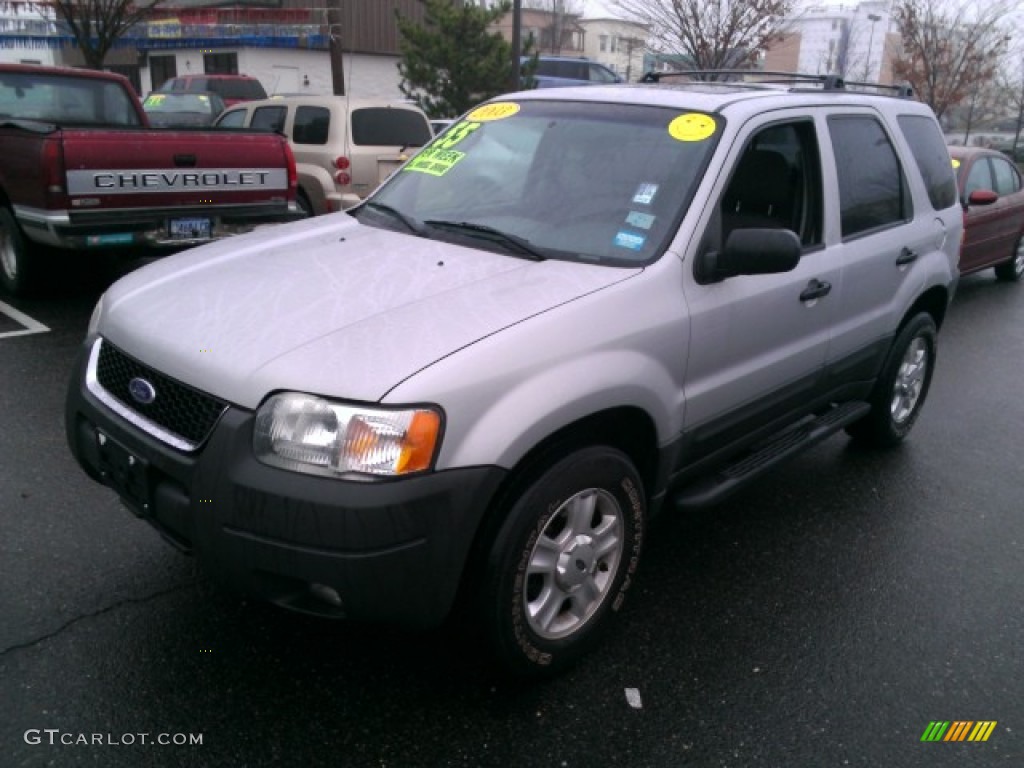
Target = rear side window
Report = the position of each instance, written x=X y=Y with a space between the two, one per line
x=268 y=119
x=311 y=125
x=932 y=158
x=386 y=127
x=872 y=188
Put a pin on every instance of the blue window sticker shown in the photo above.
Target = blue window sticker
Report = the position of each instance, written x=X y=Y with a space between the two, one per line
x=632 y=240
x=640 y=220
x=645 y=193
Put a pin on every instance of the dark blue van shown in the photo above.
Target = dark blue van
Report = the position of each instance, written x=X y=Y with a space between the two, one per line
x=555 y=71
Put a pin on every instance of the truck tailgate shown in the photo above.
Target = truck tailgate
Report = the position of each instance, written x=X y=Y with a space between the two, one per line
x=114 y=169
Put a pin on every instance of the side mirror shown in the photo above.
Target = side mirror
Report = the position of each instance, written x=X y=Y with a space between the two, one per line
x=982 y=197
x=753 y=252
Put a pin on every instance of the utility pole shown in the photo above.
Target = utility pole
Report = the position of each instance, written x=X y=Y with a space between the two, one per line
x=335 y=49
x=873 y=18
x=517 y=44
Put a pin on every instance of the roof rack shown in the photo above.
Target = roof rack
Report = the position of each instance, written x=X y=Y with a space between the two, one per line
x=760 y=77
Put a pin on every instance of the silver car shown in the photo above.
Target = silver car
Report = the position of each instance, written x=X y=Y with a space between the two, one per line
x=574 y=308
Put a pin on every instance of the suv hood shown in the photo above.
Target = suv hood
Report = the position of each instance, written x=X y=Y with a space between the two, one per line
x=326 y=306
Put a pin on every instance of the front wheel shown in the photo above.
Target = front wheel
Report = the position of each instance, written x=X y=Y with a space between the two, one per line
x=902 y=387
x=563 y=560
x=1012 y=270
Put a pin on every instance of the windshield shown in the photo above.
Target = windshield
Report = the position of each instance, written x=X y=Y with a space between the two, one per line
x=582 y=181
x=178 y=102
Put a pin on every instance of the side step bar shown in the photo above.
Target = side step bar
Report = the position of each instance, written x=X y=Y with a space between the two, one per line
x=732 y=477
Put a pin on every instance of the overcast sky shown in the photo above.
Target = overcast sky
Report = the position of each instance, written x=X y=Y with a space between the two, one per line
x=597 y=8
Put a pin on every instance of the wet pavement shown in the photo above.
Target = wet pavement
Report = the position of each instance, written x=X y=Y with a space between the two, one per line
x=824 y=617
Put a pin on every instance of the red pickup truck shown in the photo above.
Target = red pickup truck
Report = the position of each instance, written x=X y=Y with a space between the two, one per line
x=80 y=169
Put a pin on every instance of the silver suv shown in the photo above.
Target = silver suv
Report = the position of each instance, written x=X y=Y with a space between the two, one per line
x=574 y=308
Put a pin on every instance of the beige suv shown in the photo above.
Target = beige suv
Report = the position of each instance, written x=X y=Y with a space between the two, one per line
x=344 y=147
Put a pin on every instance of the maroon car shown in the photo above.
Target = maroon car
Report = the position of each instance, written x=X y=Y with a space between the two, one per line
x=993 y=198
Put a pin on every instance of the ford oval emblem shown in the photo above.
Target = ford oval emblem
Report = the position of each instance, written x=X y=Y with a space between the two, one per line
x=141 y=391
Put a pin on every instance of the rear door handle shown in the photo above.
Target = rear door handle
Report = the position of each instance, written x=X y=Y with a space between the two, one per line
x=906 y=256
x=815 y=290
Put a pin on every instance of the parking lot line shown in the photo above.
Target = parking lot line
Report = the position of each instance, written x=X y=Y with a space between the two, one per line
x=30 y=325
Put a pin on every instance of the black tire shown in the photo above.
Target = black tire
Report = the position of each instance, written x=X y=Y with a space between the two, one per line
x=1013 y=269
x=902 y=386
x=304 y=205
x=572 y=539
x=19 y=270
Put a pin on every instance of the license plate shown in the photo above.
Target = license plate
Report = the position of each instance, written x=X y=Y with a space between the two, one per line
x=190 y=229
x=125 y=472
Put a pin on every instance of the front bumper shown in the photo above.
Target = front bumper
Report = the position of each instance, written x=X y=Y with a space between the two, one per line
x=390 y=550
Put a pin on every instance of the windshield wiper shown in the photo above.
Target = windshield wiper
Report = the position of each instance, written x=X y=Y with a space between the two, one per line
x=413 y=226
x=511 y=242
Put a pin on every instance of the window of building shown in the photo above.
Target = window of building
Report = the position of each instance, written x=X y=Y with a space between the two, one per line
x=604 y=43
x=220 y=63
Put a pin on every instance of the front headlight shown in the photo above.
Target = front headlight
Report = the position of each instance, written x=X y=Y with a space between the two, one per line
x=309 y=434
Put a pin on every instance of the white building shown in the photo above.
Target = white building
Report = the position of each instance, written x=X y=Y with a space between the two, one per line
x=618 y=44
x=854 y=41
x=26 y=34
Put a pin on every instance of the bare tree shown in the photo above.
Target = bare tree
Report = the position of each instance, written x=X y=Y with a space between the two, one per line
x=1014 y=90
x=949 y=50
x=563 y=15
x=712 y=34
x=97 y=25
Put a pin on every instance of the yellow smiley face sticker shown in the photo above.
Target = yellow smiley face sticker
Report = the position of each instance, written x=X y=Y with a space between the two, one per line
x=956 y=163
x=691 y=127
x=499 y=110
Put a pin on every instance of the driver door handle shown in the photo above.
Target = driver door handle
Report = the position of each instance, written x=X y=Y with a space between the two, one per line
x=815 y=290
x=906 y=256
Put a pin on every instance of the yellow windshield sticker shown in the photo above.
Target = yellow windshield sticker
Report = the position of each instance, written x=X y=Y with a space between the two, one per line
x=499 y=110
x=691 y=127
x=956 y=163
x=156 y=98
x=454 y=135
x=433 y=161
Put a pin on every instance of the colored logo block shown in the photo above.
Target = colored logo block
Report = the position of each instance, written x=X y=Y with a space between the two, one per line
x=959 y=730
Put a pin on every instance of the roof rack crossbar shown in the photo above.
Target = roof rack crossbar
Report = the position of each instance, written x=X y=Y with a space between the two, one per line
x=830 y=82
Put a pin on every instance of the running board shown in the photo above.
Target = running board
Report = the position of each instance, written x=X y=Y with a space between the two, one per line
x=732 y=477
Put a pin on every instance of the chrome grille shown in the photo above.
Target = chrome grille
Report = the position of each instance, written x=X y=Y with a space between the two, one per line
x=177 y=408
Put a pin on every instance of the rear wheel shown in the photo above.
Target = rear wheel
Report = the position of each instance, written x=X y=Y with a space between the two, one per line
x=563 y=560
x=304 y=205
x=1013 y=270
x=902 y=386
x=18 y=272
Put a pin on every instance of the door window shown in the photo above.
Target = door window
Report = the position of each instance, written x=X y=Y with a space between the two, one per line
x=777 y=184
x=979 y=177
x=872 y=187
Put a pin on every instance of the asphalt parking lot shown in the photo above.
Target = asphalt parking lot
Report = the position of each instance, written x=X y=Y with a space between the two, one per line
x=825 y=617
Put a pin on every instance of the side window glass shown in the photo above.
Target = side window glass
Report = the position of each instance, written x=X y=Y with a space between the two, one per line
x=1007 y=180
x=601 y=74
x=268 y=119
x=872 y=187
x=311 y=125
x=777 y=184
x=979 y=177
x=234 y=119
x=932 y=158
